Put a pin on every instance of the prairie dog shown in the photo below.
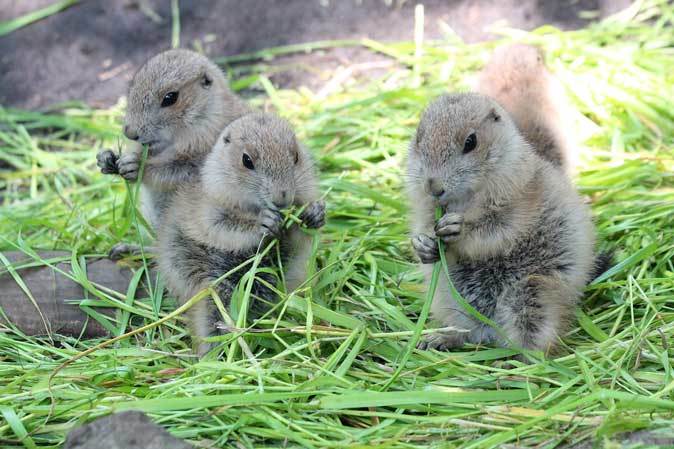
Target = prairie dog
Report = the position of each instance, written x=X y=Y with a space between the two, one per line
x=255 y=169
x=518 y=238
x=178 y=103
x=517 y=78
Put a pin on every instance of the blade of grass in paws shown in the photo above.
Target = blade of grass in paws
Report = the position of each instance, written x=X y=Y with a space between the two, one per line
x=472 y=311
x=423 y=316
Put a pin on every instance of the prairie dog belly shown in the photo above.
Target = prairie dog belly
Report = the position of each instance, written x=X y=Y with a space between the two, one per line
x=154 y=204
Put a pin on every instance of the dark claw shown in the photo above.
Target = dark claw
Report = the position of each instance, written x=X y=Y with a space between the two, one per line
x=106 y=160
x=122 y=250
x=313 y=215
x=423 y=345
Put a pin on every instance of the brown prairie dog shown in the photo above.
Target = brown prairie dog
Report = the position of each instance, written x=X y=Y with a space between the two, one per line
x=178 y=104
x=255 y=169
x=517 y=78
x=519 y=240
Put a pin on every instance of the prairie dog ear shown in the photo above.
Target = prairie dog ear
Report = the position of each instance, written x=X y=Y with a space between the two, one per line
x=206 y=80
x=494 y=115
x=419 y=134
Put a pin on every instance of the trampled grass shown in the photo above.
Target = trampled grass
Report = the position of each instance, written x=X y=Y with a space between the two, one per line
x=324 y=368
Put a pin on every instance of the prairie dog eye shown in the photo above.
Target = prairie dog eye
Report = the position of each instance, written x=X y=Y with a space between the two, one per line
x=226 y=139
x=470 y=143
x=169 y=99
x=247 y=162
x=297 y=157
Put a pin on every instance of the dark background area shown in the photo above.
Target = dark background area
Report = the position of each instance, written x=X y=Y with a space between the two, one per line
x=90 y=51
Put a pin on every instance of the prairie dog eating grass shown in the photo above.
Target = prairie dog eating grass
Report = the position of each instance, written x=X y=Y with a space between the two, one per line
x=256 y=168
x=519 y=241
x=178 y=103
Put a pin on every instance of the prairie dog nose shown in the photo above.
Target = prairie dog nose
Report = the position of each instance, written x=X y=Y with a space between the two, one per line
x=130 y=133
x=282 y=199
x=434 y=187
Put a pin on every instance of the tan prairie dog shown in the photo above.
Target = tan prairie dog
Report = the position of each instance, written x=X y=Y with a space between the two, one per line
x=518 y=238
x=178 y=103
x=517 y=78
x=256 y=168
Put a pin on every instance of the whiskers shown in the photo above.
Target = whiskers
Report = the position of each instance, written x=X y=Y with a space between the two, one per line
x=417 y=177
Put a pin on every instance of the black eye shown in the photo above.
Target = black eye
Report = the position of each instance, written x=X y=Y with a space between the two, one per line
x=169 y=99
x=206 y=81
x=470 y=144
x=297 y=157
x=248 y=162
x=226 y=139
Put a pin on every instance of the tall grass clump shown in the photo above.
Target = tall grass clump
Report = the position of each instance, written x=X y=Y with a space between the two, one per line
x=332 y=365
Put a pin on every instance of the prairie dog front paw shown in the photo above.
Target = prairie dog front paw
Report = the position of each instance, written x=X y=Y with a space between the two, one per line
x=107 y=160
x=449 y=226
x=313 y=215
x=426 y=248
x=128 y=165
x=442 y=341
x=271 y=221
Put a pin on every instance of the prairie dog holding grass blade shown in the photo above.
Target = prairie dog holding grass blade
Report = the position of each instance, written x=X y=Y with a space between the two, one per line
x=517 y=78
x=256 y=169
x=178 y=103
x=519 y=240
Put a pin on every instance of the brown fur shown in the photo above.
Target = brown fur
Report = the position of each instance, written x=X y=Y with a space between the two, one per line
x=180 y=135
x=221 y=221
x=519 y=239
x=517 y=78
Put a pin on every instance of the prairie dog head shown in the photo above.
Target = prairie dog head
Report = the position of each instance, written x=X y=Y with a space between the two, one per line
x=257 y=162
x=465 y=143
x=174 y=95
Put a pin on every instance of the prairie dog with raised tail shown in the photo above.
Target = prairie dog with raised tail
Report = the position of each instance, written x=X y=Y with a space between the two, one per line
x=256 y=168
x=517 y=78
x=519 y=240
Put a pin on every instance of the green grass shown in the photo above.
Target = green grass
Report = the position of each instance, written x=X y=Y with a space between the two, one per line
x=8 y=26
x=319 y=370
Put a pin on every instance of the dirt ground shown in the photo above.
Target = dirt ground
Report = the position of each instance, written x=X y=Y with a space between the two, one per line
x=90 y=51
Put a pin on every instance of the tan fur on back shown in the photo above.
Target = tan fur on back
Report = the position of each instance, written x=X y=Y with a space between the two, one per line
x=516 y=77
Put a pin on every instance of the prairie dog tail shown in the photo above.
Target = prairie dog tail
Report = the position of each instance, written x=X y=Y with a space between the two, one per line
x=517 y=78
